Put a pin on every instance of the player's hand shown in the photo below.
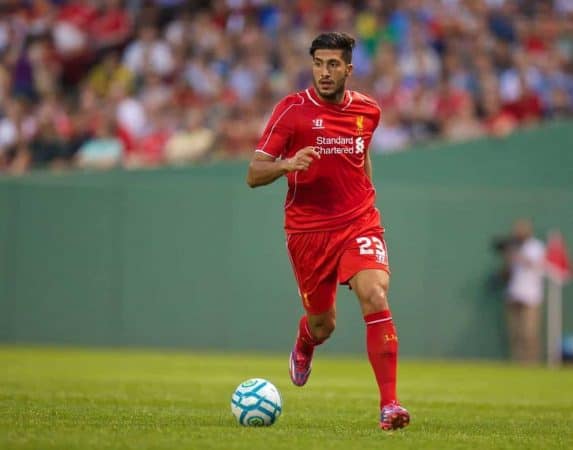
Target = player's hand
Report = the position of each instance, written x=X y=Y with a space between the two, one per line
x=302 y=159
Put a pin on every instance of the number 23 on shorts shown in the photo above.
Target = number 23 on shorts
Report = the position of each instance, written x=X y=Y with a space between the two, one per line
x=372 y=245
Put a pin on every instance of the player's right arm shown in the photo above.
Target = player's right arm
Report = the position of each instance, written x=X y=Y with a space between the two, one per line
x=264 y=168
x=269 y=161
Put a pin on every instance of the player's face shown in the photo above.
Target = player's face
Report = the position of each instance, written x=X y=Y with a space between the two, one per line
x=329 y=74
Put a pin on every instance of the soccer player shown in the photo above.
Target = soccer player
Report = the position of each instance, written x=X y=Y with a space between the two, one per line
x=319 y=139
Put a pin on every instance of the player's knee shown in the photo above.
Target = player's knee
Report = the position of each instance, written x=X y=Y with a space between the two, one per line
x=321 y=330
x=376 y=298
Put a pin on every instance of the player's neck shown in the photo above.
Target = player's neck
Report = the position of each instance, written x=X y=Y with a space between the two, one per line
x=336 y=100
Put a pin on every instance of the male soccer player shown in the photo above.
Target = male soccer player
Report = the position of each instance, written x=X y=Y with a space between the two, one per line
x=319 y=139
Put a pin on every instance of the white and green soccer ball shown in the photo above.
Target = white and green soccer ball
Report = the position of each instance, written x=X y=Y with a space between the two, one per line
x=256 y=403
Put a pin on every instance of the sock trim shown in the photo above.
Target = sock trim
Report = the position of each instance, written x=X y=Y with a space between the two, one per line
x=372 y=322
x=377 y=317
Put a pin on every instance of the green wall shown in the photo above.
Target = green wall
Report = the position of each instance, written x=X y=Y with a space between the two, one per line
x=194 y=258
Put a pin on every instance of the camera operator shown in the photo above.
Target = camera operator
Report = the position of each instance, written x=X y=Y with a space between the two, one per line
x=524 y=257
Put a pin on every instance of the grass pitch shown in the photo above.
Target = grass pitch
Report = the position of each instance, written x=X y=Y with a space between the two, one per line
x=90 y=399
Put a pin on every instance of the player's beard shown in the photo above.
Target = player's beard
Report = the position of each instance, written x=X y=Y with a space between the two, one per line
x=333 y=96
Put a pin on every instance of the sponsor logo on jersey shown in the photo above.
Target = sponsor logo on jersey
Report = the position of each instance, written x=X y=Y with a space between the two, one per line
x=340 y=145
x=317 y=124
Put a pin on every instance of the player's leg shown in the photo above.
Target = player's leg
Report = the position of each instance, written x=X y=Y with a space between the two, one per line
x=371 y=288
x=364 y=266
x=315 y=272
x=313 y=330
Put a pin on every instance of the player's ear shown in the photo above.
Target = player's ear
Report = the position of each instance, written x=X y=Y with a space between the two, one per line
x=349 y=68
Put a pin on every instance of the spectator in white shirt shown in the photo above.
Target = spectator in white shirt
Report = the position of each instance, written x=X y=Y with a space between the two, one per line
x=149 y=52
x=525 y=293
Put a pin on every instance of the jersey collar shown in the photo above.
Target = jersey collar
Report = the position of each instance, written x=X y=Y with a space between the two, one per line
x=314 y=98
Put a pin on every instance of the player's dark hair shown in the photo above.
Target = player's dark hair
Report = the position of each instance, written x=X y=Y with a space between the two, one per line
x=335 y=41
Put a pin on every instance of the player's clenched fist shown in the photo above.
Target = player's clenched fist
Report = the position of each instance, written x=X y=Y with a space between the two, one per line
x=302 y=159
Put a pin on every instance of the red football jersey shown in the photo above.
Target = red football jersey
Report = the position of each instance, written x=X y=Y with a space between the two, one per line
x=335 y=190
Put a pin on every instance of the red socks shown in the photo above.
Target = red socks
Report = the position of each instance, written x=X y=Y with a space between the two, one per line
x=382 y=347
x=381 y=344
x=305 y=342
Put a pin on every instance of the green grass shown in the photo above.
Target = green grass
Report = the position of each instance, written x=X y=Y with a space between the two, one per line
x=90 y=399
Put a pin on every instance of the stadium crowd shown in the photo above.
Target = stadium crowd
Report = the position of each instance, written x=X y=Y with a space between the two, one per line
x=138 y=83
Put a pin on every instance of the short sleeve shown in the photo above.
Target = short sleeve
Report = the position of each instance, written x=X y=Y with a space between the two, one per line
x=278 y=131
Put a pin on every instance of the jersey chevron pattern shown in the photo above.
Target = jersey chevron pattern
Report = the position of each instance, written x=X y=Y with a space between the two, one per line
x=335 y=190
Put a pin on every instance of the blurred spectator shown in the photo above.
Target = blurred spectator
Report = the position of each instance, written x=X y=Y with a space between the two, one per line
x=46 y=67
x=72 y=26
x=39 y=16
x=239 y=130
x=450 y=101
x=192 y=143
x=17 y=128
x=440 y=69
x=112 y=26
x=497 y=122
x=203 y=78
x=71 y=36
x=130 y=115
x=419 y=65
x=155 y=94
x=526 y=108
x=464 y=125
x=149 y=52
x=526 y=257
x=48 y=147
x=5 y=83
x=391 y=135
x=104 y=150
x=107 y=72
x=148 y=150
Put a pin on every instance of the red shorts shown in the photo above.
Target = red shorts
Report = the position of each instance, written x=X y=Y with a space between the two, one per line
x=321 y=260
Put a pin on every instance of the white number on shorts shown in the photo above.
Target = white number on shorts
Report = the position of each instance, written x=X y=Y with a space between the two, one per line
x=366 y=244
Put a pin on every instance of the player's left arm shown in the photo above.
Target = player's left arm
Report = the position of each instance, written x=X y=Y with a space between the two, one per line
x=368 y=165
x=367 y=159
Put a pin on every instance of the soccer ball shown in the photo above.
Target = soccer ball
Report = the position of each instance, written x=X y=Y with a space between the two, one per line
x=256 y=402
